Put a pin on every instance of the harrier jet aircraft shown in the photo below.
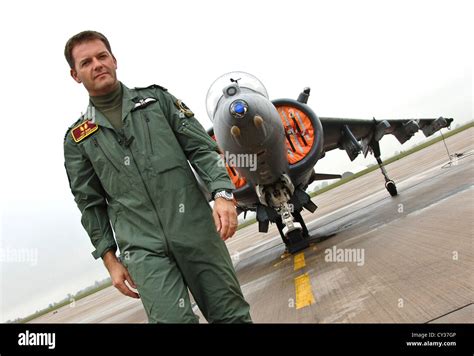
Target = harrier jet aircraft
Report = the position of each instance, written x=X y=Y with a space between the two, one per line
x=271 y=148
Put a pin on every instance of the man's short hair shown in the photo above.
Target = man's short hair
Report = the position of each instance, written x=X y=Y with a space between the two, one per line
x=81 y=37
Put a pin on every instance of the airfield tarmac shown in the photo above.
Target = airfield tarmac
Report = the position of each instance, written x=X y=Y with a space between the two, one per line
x=408 y=259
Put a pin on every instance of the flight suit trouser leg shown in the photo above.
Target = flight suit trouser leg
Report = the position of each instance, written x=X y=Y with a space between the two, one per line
x=208 y=271
x=162 y=289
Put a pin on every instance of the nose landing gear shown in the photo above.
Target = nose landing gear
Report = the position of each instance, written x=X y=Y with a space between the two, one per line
x=297 y=239
x=277 y=205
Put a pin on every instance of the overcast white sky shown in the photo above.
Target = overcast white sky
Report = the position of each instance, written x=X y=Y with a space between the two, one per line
x=361 y=58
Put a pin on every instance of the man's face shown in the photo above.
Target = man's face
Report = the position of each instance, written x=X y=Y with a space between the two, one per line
x=95 y=67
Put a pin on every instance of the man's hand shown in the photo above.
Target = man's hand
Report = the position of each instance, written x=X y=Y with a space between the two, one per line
x=119 y=274
x=225 y=217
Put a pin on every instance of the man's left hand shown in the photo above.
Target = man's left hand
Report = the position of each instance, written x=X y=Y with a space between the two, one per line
x=225 y=217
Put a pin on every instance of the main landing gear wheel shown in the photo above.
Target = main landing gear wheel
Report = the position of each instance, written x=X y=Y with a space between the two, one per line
x=392 y=188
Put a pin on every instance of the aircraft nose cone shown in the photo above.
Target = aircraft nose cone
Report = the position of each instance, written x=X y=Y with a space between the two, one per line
x=238 y=108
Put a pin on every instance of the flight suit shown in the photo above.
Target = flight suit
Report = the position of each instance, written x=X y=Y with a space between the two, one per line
x=137 y=181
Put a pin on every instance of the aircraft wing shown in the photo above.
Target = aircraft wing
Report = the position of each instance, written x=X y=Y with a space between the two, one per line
x=356 y=135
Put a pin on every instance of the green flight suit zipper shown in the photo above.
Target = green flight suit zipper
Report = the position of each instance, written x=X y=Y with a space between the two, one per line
x=149 y=196
x=147 y=124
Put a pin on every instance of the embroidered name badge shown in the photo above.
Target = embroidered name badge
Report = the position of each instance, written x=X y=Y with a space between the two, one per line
x=83 y=130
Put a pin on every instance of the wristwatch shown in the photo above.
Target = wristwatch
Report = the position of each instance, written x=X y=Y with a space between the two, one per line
x=227 y=195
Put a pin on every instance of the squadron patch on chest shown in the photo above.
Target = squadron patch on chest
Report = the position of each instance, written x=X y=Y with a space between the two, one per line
x=83 y=130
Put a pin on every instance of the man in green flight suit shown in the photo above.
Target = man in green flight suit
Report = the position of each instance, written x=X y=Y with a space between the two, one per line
x=127 y=165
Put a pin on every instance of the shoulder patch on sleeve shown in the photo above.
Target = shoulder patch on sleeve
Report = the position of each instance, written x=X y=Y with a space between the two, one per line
x=183 y=109
x=83 y=130
x=70 y=127
x=153 y=86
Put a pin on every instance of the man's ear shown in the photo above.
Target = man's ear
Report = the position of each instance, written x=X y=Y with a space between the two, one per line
x=74 y=75
x=115 y=61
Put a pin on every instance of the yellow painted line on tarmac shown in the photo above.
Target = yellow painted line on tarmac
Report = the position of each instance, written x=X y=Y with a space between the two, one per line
x=299 y=261
x=304 y=293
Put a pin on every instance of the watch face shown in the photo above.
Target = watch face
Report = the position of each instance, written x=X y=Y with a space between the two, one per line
x=224 y=194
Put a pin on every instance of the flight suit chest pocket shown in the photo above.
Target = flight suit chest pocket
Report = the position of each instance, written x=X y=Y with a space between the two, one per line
x=108 y=167
x=156 y=135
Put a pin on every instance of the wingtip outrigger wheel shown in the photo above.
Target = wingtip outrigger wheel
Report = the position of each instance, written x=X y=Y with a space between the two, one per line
x=391 y=187
x=389 y=184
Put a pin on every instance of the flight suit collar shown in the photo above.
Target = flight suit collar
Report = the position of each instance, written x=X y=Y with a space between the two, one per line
x=101 y=120
x=128 y=103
